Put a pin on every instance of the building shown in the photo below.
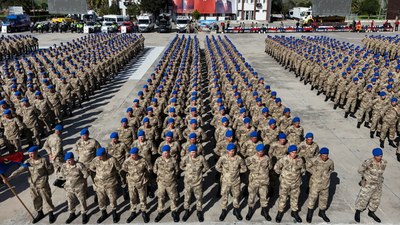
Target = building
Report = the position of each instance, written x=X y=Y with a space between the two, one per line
x=254 y=10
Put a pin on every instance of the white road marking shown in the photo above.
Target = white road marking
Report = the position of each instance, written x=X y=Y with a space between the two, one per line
x=150 y=56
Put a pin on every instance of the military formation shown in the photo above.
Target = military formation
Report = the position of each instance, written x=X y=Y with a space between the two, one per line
x=356 y=79
x=261 y=151
x=12 y=46
x=385 y=45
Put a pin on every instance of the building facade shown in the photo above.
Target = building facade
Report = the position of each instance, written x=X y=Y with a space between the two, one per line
x=254 y=10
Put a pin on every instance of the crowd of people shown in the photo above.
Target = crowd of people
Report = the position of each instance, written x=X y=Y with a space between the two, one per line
x=355 y=78
x=12 y=46
x=385 y=45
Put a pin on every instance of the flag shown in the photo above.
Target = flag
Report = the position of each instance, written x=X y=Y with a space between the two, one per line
x=9 y=160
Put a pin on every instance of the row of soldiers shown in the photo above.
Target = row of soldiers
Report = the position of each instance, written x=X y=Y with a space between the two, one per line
x=354 y=78
x=384 y=45
x=34 y=94
x=12 y=46
x=181 y=68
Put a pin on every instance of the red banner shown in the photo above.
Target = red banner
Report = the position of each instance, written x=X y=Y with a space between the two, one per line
x=205 y=6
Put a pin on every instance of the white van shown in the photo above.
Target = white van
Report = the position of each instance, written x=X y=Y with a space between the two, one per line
x=115 y=18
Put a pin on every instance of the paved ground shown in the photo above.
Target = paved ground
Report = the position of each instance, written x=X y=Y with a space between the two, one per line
x=349 y=145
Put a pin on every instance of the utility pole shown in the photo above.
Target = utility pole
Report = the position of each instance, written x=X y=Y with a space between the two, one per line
x=242 y=14
x=255 y=10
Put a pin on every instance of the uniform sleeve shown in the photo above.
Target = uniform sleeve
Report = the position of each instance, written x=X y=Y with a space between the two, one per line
x=92 y=165
x=205 y=165
x=20 y=170
x=242 y=165
x=278 y=166
x=183 y=164
x=219 y=165
x=155 y=167
x=363 y=168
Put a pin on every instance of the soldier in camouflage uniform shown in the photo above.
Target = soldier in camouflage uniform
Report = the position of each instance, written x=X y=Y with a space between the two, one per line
x=363 y=113
x=12 y=129
x=54 y=149
x=371 y=183
x=390 y=121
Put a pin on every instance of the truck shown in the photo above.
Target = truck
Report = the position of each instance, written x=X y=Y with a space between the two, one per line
x=182 y=22
x=299 y=13
x=17 y=23
x=146 y=22
x=328 y=12
x=164 y=23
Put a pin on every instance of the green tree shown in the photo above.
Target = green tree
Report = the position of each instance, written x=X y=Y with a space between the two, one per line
x=152 y=6
x=196 y=14
x=277 y=6
x=114 y=9
x=355 y=6
x=133 y=10
x=369 y=7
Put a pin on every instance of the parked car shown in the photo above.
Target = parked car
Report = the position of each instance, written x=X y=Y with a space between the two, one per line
x=109 y=27
x=129 y=27
x=16 y=23
x=93 y=27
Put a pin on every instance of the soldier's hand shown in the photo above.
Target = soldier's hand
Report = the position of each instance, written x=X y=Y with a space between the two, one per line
x=5 y=180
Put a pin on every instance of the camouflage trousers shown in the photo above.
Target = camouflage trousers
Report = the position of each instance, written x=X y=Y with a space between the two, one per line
x=375 y=122
x=107 y=191
x=340 y=97
x=350 y=105
x=40 y=195
x=16 y=142
x=286 y=190
x=227 y=188
x=197 y=191
x=258 y=188
x=363 y=112
x=369 y=196
x=388 y=126
x=137 y=191
x=171 y=191
x=79 y=195
x=321 y=194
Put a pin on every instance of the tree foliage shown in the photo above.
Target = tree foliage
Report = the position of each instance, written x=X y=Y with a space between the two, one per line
x=133 y=10
x=277 y=6
x=196 y=14
x=369 y=7
x=355 y=6
x=152 y=6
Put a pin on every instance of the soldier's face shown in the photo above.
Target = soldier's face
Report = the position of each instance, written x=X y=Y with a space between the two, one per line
x=135 y=156
x=192 y=140
x=168 y=139
x=166 y=154
x=260 y=153
x=293 y=154
x=394 y=103
x=32 y=155
x=297 y=124
x=282 y=141
x=85 y=137
x=124 y=125
x=324 y=157
x=141 y=138
x=115 y=140
x=378 y=158
x=309 y=141
x=231 y=153
x=193 y=154
x=254 y=139
x=70 y=161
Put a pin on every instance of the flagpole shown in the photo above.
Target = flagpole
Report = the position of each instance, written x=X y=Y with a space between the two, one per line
x=16 y=195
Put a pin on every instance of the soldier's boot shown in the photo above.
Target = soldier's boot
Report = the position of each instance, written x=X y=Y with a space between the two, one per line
x=159 y=217
x=38 y=217
x=366 y=124
x=265 y=214
x=151 y=191
x=131 y=217
x=295 y=215
x=341 y=106
x=52 y=218
x=236 y=213
x=373 y=216
x=359 y=125
x=186 y=215
x=250 y=213
x=378 y=134
x=322 y=214
x=391 y=143
x=175 y=216
x=103 y=216
x=357 y=216
x=326 y=98
x=312 y=87
x=145 y=217
x=279 y=216
x=71 y=218
x=398 y=157
x=223 y=215
x=85 y=218
x=346 y=114
x=200 y=216
x=309 y=215
x=371 y=134
x=382 y=143
x=115 y=216
x=335 y=106
x=352 y=115
x=319 y=92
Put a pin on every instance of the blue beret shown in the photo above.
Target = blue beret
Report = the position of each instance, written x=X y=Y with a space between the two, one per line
x=323 y=151
x=369 y=86
x=254 y=134
x=172 y=109
x=134 y=150
x=173 y=100
x=285 y=110
x=246 y=120
x=124 y=120
x=100 y=151
x=377 y=152
x=165 y=148
x=25 y=100
x=265 y=110
x=219 y=100
x=58 y=127
x=355 y=79
x=69 y=155
x=2 y=102
x=169 y=134
x=309 y=135
x=193 y=109
x=50 y=87
x=33 y=149
x=273 y=93
x=84 y=131
x=192 y=148
x=292 y=148
x=224 y=119
x=278 y=100
x=136 y=100
x=140 y=133
x=230 y=147
x=17 y=93
x=271 y=121
x=382 y=93
x=7 y=112
x=149 y=109
x=229 y=133
x=114 y=135
x=221 y=108
x=193 y=121
x=393 y=100
x=295 y=120
x=242 y=110
x=258 y=99
x=146 y=120
x=129 y=109
x=192 y=135
x=282 y=136
x=38 y=93
x=260 y=147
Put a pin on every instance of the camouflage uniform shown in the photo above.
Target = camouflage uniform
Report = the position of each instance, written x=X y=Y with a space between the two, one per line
x=258 y=179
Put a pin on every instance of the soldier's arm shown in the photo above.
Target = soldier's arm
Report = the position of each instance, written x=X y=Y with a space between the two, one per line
x=84 y=170
x=218 y=166
x=21 y=169
x=116 y=164
x=49 y=167
x=363 y=168
x=183 y=164
x=155 y=167
x=242 y=166
x=205 y=165
x=203 y=135
x=278 y=166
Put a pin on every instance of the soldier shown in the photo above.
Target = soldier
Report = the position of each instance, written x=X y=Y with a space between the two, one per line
x=378 y=105
x=389 y=123
x=258 y=165
x=290 y=168
x=270 y=133
x=12 y=129
x=30 y=117
x=320 y=168
x=86 y=147
x=39 y=169
x=126 y=134
x=192 y=141
x=230 y=166
x=194 y=167
x=308 y=149
x=43 y=105
x=371 y=172
x=75 y=186
x=248 y=148
x=166 y=168
x=137 y=171
x=295 y=133
x=54 y=149
x=106 y=169
x=363 y=114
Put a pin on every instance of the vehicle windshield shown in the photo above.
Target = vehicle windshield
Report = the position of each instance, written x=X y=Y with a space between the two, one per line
x=182 y=21
x=110 y=19
x=90 y=24
x=144 y=21
x=164 y=22
x=7 y=21
x=108 y=24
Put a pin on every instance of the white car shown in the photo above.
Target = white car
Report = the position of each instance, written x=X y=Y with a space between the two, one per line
x=108 y=27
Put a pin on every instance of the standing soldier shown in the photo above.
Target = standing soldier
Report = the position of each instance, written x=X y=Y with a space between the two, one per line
x=366 y=98
x=12 y=129
x=39 y=169
x=30 y=117
x=166 y=168
x=259 y=165
x=126 y=133
x=106 y=168
x=194 y=167
x=54 y=149
x=86 y=147
x=371 y=172
x=230 y=166
x=137 y=171
x=75 y=174
x=389 y=123
x=320 y=168
x=290 y=168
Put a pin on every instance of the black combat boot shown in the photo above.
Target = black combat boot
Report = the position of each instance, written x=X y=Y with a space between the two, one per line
x=131 y=217
x=312 y=87
x=52 y=218
x=341 y=106
x=236 y=213
x=382 y=143
x=378 y=134
x=186 y=215
x=71 y=218
x=309 y=215
x=335 y=106
x=85 y=218
x=366 y=124
x=295 y=215
x=223 y=215
x=373 y=216
x=357 y=216
x=398 y=157
x=115 y=216
x=391 y=143
x=145 y=217
x=264 y=212
x=359 y=125
x=159 y=217
x=103 y=216
x=346 y=114
x=175 y=216
x=323 y=216
x=352 y=115
x=250 y=213
x=279 y=216
x=38 y=217
x=326 y=98
x=200 y=216
x=371 y=134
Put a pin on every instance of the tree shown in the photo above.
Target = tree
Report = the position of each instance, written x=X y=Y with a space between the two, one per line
x=133 y=10
x=152 y=6
x=369 y=7
x=355 y=6
x=196 y=14
x=114 y=9
x=277 y=6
